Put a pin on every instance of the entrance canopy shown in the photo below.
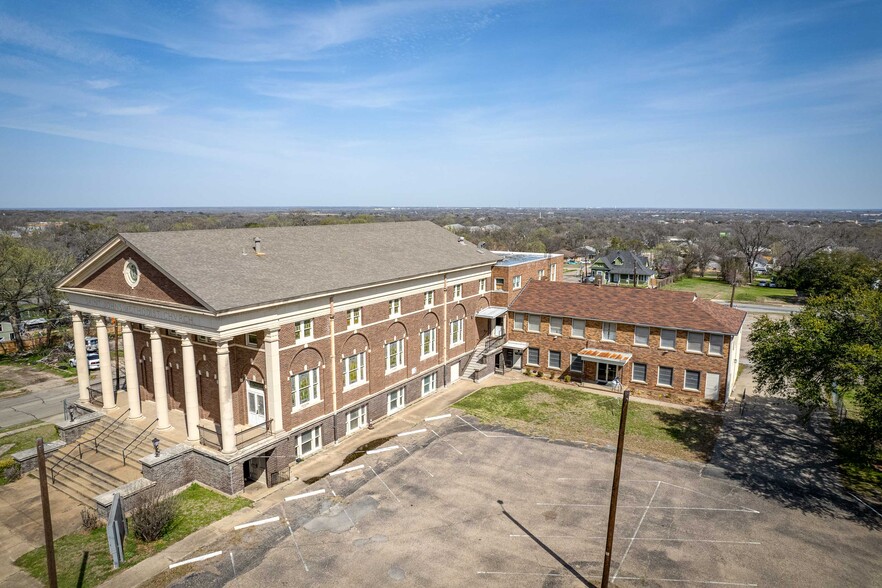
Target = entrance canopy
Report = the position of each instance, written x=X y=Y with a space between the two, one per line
x=515 y=345
x=491 y=312
x=604 y=356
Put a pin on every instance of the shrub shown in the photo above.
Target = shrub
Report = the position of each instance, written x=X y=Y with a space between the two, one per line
x=153 y=515
x=9 y=470
x=526 y=372
x=538 y=374
x=567 y=378
x=90 y=519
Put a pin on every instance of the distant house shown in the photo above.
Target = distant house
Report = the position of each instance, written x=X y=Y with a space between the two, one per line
x=587 y=251
x=491 y=228
x=567 y=254
x=621 y=267
x=455 y=227
x=6 y=331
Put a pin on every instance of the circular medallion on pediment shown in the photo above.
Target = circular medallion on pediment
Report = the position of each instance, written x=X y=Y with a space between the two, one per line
x=131 y=273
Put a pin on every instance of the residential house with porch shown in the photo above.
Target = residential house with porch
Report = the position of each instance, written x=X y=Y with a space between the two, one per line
x=622 y=267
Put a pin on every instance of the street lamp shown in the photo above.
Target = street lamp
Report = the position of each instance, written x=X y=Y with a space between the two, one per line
x=156 y=447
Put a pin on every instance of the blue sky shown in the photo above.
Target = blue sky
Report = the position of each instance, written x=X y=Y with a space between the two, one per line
x=674 y=103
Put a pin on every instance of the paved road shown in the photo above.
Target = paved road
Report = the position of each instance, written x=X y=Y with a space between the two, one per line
x=46 y=404
x=764 y=308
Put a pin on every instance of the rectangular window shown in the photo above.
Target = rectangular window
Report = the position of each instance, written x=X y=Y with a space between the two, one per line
x=554 y=272
x=202 y=339
x=518 y=321
x=396 y=401
x=607 y=372
x=305 y=388
x=555 y=325
x=578 y=330
x=499 y=284
x=395 y=355
x=430 y=382
x=554 y=359
x=309 y=441
x=429 y=298
x=533 y=321
x=482 y=285
x=668 y=339
x=456 y=334
x=715 y=347
x=665 y=376
x=609 y=332
x=303 y=330
x=695 y=342
x=575 y=363
x=251 y=339
x=516 y=282
x=638 y=373
x=541 y=274
x=427 y=343
x=641 y=335
x=532 y=356
x=356 y=419
x=692 y=380
x=353 y=370
x=395 y=307
x=457 y=291
x=353 y=318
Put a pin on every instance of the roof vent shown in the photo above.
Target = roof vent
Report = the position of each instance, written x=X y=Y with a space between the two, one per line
x=257 y=248
x=462 y=240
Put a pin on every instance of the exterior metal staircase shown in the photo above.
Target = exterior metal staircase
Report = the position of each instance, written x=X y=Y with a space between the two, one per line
x=484 y=347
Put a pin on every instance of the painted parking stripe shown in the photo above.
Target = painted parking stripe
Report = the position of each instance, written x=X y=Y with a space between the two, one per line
x=195 y=559
x=382 y=449
x=566 y=504
x=343 y=471
x=439 y=417
x=304 y=495
x=406 y=433
x=256 y=523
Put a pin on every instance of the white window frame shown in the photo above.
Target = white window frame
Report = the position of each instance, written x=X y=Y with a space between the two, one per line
x=634 y=377
x=693 y=335
x=553 y=276
x=360 y=360
x=538 y=356
x=482 y=285
x=429 y=299
x=399 y=397
x=658 y=379
x=251 y=339
x=641 y=329
x=395 y=307
x=429 y=336
x=661 y=339
x=457 y=334
x=429 y=383
x=303 y=330
x=574 y=358
x=457 y=292
x=353 y=318
x=313 y=379
x=395 y=352
x=710 y=345
x=315 y=438
x=499 y=284
x=608 y=332
x=555 y=325
x=359 y=415
x=550 y=365
x=686 y=375
x=577 y=333
x=516 y=283
x=518 y=321
x=530 y=328
x=541 y=274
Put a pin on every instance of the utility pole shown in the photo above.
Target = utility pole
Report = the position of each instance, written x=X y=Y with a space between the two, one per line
x=734 y=281
x=47 y=516
x=611 y=525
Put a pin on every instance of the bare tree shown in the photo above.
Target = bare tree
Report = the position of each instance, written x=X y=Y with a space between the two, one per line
x=750 y=238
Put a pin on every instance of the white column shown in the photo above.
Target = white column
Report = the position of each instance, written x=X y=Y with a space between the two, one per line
x=191 y=398
x=273 y=379
x=225 y=395
x=107 y=395
x=160 y=393
x=133 y=391
x=79 y=335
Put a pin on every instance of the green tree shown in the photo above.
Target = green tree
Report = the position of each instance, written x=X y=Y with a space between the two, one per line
x=833 y=345
x=836 y=272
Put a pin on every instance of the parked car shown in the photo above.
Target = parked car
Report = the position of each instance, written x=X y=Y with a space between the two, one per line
x=91 y=358
x=91 y=345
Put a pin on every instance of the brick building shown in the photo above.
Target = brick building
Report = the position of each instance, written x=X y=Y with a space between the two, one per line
x=648 y=340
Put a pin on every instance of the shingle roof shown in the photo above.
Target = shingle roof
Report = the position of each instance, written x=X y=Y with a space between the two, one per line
x=660 y=308
x=629 y=261
x=221 y=268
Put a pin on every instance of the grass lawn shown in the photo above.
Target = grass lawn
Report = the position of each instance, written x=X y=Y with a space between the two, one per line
x=714 y=288
x=576 y=414
x=83 y=559
x=860 y=468
x=33 y=360
x=21 y=441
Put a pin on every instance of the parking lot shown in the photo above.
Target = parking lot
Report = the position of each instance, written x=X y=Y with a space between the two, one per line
x=454 y=503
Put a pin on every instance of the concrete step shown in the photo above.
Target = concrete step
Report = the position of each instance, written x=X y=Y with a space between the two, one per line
x=99 y=469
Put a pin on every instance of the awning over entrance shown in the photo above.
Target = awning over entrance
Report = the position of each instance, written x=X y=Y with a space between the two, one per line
x=604 y=356
x=491 y=312
x=514 y=345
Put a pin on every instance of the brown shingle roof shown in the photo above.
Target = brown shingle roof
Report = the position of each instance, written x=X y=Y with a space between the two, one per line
x=636 y=306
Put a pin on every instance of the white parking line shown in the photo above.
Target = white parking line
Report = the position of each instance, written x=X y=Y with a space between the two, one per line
x=304 y=495
x=599 y=537
x=384 y=483
x=346 y=470
x=637 y=530
x=439 y=417
x=406 y=433
x=681 y=581
x=865 y=504
x=297 y=547
x=256 y=523
x=446 y=441
x=383 y=449
x=195 y=559
x=485 y=433
x=571 y=505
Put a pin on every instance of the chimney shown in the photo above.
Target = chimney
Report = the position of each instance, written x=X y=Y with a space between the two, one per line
x=257 y=249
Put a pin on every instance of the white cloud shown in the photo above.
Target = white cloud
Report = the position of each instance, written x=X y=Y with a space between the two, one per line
x=102 y=84
x=23 y=34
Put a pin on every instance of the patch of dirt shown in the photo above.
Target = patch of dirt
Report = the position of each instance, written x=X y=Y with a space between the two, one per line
x=18 y=376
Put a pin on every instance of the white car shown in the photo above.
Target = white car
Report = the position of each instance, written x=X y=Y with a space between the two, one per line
x=91 y=358
x=91 y=344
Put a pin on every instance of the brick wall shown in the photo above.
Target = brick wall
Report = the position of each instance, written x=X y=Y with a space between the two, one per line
x=527 y=271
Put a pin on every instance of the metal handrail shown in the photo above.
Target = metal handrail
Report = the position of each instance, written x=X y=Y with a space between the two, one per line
x=137 y=438
x=240 y=436
x=79 y=447
x=491 y=343
x=205 y=434
x=203 y=437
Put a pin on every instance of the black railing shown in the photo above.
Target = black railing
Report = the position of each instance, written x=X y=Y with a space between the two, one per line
x=493 y=343
x=209 y=437
x=95 y=396
x=213 y=438
x=64 y=461
x=137 y=439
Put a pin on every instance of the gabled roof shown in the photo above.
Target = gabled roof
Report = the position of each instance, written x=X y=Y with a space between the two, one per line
x=221 y=269
x=636 y=306
x=630 y=265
